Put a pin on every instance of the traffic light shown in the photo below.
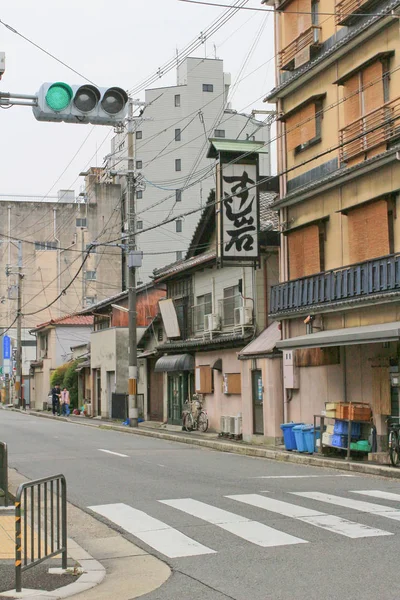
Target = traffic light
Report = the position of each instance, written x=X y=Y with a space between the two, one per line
x=81 y=104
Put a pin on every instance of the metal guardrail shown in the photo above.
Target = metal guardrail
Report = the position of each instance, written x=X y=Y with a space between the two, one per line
x=374 y=277
x=4 y=471
x=40 y=524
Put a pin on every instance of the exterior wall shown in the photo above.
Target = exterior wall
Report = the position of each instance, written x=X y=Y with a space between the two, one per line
x=218 y=403
x=158 y=166
x=47 y=272
x=271 y=373
x=40 y=384
x=109 y=354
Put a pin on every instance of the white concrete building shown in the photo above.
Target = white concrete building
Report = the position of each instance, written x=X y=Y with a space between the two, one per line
x=171 y=142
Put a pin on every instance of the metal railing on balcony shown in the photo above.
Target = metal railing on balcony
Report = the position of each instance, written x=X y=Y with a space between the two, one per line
x=309 y=39
x=357 y=282
x=346 y=10
x=374 y=129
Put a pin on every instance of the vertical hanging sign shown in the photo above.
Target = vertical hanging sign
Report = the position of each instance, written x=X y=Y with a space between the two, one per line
x=6 y=346
x=239 y=218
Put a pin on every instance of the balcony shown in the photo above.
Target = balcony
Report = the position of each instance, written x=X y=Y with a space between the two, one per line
x=301 y=50
x=373 y=281
x=374 y=129
x=347 y=11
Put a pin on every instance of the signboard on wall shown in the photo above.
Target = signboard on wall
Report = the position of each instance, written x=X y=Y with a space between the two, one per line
x=239 y=219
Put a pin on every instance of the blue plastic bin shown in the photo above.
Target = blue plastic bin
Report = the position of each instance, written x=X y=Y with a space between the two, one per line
x=298 y=431
x=288 y=435
x=342 y=428
x=308 y=432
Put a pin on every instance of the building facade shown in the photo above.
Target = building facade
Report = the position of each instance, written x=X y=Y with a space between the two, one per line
x=171 y=141
x=336 y=93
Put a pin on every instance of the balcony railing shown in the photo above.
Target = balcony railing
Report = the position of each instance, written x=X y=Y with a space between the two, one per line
x=346 y=10
x=374 y=129
x=369 y=279
x=308 y=40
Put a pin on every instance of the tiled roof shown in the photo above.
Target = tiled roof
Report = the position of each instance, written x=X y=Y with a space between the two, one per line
x=183 y=265
x=68 y=320
x=231 y=339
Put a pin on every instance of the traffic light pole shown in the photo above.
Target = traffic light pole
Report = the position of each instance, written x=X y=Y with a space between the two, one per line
x=132 y=346
x=18 y=357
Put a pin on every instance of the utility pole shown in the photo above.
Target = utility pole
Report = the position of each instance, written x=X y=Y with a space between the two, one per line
x=18 y=357
x=133 y=412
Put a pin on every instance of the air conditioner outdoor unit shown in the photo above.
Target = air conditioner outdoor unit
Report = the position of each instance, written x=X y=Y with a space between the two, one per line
x=231 y=426
x=223 y=426
x=243 y=315
x=237 y=431
x=212 y=322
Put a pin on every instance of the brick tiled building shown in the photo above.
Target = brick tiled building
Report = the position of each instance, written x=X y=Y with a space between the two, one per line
x=337 y=94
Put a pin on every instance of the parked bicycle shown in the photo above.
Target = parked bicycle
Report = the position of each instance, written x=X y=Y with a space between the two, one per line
x=194 y=416
x=394 y=440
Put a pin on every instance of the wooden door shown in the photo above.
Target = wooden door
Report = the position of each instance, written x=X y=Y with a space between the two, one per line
x=155 y=392
x=258 y=409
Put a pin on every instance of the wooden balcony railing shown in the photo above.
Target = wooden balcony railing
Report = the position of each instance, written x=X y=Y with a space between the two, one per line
x=309 y=39
x=354 y=283
x=347 y=10
x=374 y=129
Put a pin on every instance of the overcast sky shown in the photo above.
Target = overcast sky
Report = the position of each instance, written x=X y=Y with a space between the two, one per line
x=111 y=43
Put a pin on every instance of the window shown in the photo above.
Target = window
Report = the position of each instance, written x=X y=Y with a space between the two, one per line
x=91 y=275
x=90 y=300
x=203 y=308
x=81 y=222
x=178 y=195
x=306 y=250
x=177 y=100
x=208 y=87
x=139 y=224
x=160 y=334
x=370 y=230
x=139 y=135
x=177 y=135
x=46 y=245
x=43 y=343
x=179 y=255
x=219 y=133
x=303 y=126
x=178 y=225
x=121 y=146
x=204 y=379
x=91 y=248
x=232 y=299
x=139 y=194
x=139 y=164
x=178 y=164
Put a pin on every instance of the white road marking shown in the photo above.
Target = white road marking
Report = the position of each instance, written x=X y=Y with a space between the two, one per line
x=251 y=531
x=296 y=476
x=367 y=507
x=154 y=533
x=313 y=517
x=114 y=453
x=378 y=494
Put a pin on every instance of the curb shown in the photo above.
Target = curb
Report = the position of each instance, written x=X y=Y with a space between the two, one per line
x=242 y=449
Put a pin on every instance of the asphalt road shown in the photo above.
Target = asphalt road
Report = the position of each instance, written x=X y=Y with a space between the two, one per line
x=229 y=526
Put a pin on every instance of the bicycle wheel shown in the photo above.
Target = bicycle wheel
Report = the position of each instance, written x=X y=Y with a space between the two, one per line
x=202 y=421
x=188 y=421
x=394 y=450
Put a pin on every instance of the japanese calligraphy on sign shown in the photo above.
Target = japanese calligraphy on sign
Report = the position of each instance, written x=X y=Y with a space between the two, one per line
x=239 y=208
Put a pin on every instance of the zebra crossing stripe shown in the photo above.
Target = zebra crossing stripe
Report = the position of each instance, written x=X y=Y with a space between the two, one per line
x=367 y=507
x=312 y=517
x=251 y=531
x=154 y=533
x=378 y=494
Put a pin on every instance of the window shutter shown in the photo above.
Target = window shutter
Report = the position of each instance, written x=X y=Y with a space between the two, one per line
x=304 y=252
x=352 y=106
x=300 y=134
x=373 y=87
x=296 y=20
x=368 y=229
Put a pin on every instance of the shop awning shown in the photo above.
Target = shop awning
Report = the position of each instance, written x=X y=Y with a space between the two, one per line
x=217 y=366
x=264 y=344
x=175 y=362
x=349 y=336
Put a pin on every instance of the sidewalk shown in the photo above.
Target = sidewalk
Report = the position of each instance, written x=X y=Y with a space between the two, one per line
x=212 y=441
x=111 y=566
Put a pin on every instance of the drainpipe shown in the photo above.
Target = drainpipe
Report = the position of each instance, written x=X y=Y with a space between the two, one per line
x=58 y=259
x=9 y=234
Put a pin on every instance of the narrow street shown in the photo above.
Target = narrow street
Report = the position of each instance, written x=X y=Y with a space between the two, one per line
x=229 y=526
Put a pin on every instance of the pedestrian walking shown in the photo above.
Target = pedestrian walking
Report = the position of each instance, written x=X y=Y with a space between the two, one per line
x=55 y=398
x=65 y=402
